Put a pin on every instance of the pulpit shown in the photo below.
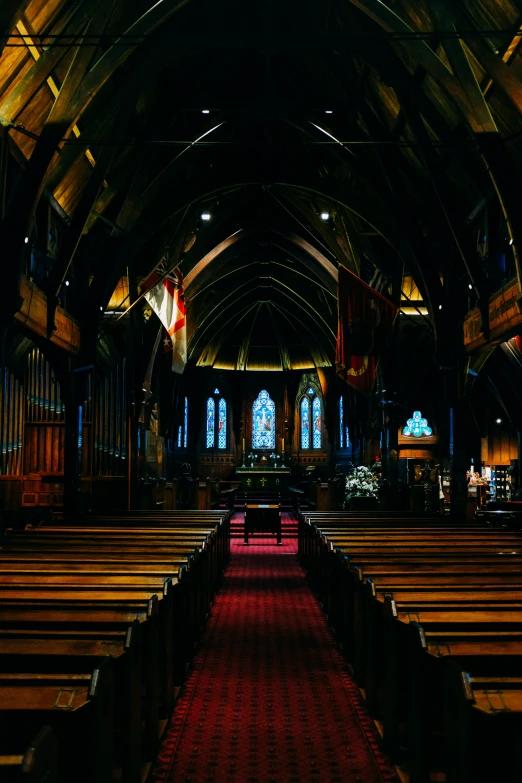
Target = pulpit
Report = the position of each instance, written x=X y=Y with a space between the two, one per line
x=264 y=479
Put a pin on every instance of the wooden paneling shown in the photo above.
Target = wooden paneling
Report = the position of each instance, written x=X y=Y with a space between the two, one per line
x=500 y=447
x=422 y=453
x=33 y=314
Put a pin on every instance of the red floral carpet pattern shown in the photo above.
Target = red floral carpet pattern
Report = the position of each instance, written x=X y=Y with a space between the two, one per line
x=269 y=699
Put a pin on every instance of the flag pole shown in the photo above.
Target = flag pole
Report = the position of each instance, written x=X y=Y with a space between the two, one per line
x=166 y=274
x=144 y=293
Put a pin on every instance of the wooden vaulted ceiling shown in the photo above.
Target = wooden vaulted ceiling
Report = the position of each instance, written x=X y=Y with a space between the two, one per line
x=399 y=119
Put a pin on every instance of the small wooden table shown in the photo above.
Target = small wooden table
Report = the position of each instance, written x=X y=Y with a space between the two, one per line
x=263 y=518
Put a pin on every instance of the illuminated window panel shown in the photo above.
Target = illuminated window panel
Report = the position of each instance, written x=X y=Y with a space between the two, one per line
x=263 y=422
x=316 y=422
x=211 y=418
x=305 y=423
x=222 y=424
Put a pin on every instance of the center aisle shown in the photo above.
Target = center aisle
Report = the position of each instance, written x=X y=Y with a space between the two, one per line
x=269 y=699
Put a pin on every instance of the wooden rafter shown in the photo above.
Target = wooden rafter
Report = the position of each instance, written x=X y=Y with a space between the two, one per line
x=389 y=21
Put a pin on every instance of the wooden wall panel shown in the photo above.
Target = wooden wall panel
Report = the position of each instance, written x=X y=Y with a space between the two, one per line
x=500 y=447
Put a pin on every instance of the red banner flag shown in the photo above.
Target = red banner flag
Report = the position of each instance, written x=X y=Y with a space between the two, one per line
x=365 y=321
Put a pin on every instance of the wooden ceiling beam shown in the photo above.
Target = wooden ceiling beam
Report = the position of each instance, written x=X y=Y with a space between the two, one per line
x=388 y=20
x=445 y=20
x=502 y=74
x=10 y=12
x=73 y=234
x=121 y=50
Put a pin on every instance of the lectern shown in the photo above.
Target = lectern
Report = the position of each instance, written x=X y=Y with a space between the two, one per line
x=263 y=518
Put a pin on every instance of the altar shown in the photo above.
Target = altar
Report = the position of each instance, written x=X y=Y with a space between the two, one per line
x=260 y=478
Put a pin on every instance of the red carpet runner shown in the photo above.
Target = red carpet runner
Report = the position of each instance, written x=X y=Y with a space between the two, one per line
x=269 y=699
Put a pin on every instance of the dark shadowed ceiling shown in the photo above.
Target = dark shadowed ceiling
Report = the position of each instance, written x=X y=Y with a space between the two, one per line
x=401 y=121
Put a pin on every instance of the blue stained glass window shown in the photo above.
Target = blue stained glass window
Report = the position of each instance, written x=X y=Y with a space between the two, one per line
x=185 y=423
x=263 y=422
x=316 y=422
x=222 y=424
x=180 y=436
x=305 y=423
x=341 y=423
x=417 y=426
x=211 y=416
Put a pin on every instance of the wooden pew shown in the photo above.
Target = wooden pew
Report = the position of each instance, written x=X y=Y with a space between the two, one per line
x=456 y=594
x=483 y=724
x=99 y=613
x=50 y=648
x=51 y=576
x=29 y=762
x=80 y=709
x=200 y=572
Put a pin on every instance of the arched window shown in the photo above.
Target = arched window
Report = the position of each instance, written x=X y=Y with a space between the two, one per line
x=263 y=422
x=344 y=433
x=222 y=424
x=182 y=429
x=211 y=422
x=216 y=427
x=305 y=423
x=311 y=420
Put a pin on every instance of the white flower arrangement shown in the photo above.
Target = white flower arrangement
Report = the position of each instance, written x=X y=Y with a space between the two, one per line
x=361 y=483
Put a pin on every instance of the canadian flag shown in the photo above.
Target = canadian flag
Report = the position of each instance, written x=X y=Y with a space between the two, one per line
x=168 y=302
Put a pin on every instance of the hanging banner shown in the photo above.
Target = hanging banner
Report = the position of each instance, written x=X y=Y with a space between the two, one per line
x=167 y=299
x=365 y=321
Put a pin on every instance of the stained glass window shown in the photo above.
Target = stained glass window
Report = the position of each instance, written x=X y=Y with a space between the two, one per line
x=341 y=423
x=312 y=420
x=305 y=423
x=222 y=424
x=316 y=422
x=263 y=422
x=417 y=426
x=183 y=428
x=211 y=416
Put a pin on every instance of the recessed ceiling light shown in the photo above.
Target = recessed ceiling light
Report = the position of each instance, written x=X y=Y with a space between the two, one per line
x=499 y=421
x=511 y=241
x=26 y=240
x=205 y=216
x=440 y=307
x=328 y=111
x=67 y=282
x=325 y=215
x=205 y=111
x=470 y=287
